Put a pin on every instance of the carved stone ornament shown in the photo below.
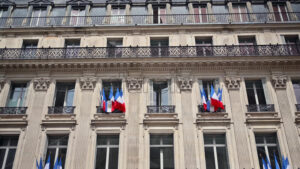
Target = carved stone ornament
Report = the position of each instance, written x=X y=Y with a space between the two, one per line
x=185 y=83
x=279 y=81
x=134 y=83
x=2 y=82
x=87 y=83
x=233 y=83
x=41 y=84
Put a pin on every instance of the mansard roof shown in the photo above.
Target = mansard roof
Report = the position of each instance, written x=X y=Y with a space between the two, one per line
x=6 y=3
x=40 y=2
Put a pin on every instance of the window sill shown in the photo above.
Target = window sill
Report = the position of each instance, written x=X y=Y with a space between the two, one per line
x=262 y=117
x=170 y=119
x=213 y=118
x=13 y=119
x=110 y=120
x=60 y=119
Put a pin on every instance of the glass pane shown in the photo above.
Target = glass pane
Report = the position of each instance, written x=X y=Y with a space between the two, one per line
x=2 y=154
x=273 y=151
x=219 y=9
x=296 y=85
x=60 y=98
x=101 y=158
x=14 y=141
x=179 y=10
x=165 y=96
x=296 y=7
x=62 y=153
x=104 y=139
x=261 y=96
x=154 y=139
x=70 y=96
x=208 y=139
x=113 y=158
x=220 y=139
x=51 y=152
x=154 y=158
x=168 y=157
x=251 y=97
x=259 y=139
x=167 y=139
x=209 y=158
x=63 y=140
x=10 y=159
x=4 y=141
x=271 y=138
x=259 y=8
x=261 y=154
x=222 y=158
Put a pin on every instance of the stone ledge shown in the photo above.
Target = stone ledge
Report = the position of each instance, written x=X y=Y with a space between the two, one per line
x=59 y=120
x=214 y=118
x=262 y=117
x=14 y=120
x=161 y=116
x=163 y=119
x=109 y=120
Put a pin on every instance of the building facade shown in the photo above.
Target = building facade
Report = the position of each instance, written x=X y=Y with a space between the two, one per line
x=57 y=57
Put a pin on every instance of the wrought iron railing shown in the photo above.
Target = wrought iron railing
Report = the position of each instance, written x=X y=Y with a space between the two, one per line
x=134 y=52
x=298 y=107
x=260 y=108
x=202 y=110
x=61 y=110
x=175 y=19
x=161 y=109
x=13 y=110
x=100 y=110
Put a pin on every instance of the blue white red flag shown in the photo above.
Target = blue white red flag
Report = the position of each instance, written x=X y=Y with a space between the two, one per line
x=214 y=100
x=47 y=165
x=203 y=99
x=104 y=102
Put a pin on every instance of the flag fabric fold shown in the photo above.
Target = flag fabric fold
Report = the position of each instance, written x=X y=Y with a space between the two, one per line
x=203 y=98
x=276 y=162
x=220 y=98
x=111 y=103
x=47 y=165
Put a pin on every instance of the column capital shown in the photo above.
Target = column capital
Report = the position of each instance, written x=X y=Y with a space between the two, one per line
x=87 y=83
x=232 y=82
x=2 y=82
x=134 y=83
x=41 y=83
x=279 y=81
x=185 y=83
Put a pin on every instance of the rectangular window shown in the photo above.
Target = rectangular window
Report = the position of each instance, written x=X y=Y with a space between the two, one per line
x=247 y=45
x=160 y=95
x=292 y=42
x=77 y=16
x=215 y=151
x=106 y=86
x=38 y=17
x=17 y=95
x=107 y=153
x=57 y=16
x=159 y=46
x=57 y=149
x=161 y=151
x=117 y=16
x=204 y=46
x=159 y=15
x=64 y=94
x=30 y=44
x=267 y=147
x=114 y=47
x=18 y=16
x=8 y=148
x=220 y=11
x=296 y=85
x=280 y=12
x=200 y=14
x=255 y=92
x=261 y=12
x=240 y=13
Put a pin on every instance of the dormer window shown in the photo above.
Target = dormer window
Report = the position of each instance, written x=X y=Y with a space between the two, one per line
x=38 y=17
x=117 y=15
x=77 y=16
x=159 y=14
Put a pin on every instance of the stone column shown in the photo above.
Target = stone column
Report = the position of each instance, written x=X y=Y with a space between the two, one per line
x=134 y=86
x=279 y=83
x=9 y=20
x=188 y=126
x=34 y=112
x=82 y=131
x=271 y=16
x=108 y=13
x=150 y=13
x=238 y=117
x=230 y=11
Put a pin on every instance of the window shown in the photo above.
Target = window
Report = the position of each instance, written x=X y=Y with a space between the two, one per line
x=200 y=14
x=255 y=92
x=240 y=13
x=296 y=7
x=160 y=93
x=267 y=147
x=206 y=86
x=17 y=95
x=29 y=48
x=64 y=94
x=280 y=12
x=161 y=151
x=292 y=42
x=3 y=16
x=117 y=15
x=57 y=15
x=107 y=153
x=38 y=17
x=8 y=148
x=57 y=149
x=77 y=16
x=220 y=11
x=261 y=12
x=204 y=46
x=159 y=15
x=159 y=47
x=106 y=86
x=72 y=47
x=136 y=10
x=296 y=85
x=247 y=45
x=215 y=151
x=114 y=47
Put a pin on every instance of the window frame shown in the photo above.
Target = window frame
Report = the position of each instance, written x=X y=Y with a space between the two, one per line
x=57 y=147
x=66 y=93
x=23 y=92
x=255 y=90
x=7 y=148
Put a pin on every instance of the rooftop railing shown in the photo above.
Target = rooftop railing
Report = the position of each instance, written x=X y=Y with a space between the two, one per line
x=147 y=52
x=171 y=19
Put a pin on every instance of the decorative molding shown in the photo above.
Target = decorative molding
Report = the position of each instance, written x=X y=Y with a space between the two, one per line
x=2 y=82
x=40 y=3
x=232 y=82
x=41 y=84
x=279 y=81
x=87 y=83
x=79 y=2
x=185 y=83
x=134 y=83
x=6 y=3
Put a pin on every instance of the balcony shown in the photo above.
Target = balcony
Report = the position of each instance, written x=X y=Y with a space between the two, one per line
x=218 y=117
x=103 y=119
x=161 y=109
x=149 y=52
x=13 y=110
x=261 y=108
x=61 y=110
x=13 y=116
x=298 y=107
x=172 y=19
x=202 y=110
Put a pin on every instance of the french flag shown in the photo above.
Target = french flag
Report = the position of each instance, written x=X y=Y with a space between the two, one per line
x=203 y=97
x=117 y=102
x=220 y=98
x=214 y=100
x=104 y=102
x=123 y=107
x=111 y=105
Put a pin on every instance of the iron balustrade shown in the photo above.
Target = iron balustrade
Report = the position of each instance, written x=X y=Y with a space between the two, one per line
x=13 y=110
x=175 y=19
x=202 y=110
x=298 y=107
x=144 y=52
x=260 y=108
x=100 y=110
x=61 y=110
x=161 y=109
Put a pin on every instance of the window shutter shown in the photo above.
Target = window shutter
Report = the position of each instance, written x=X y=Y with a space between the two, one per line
x=151 y=92
x=264 y=83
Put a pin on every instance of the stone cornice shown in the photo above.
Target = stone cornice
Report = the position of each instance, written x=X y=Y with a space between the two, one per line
x=232 y=82
x=87 y=83
x=134 y=83
x=279 y=81
x=41 y=84
x=185 y=83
